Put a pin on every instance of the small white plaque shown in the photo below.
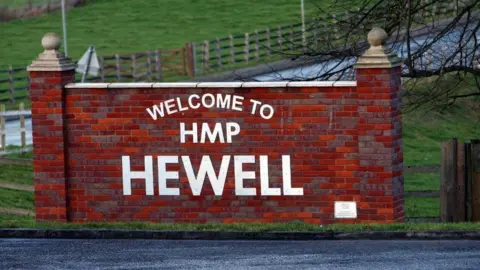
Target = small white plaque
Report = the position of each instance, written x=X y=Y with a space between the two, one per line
x=345 y=209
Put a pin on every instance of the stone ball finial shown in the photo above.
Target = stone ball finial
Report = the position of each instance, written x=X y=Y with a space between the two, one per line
x=377 y=36
x=51 y=41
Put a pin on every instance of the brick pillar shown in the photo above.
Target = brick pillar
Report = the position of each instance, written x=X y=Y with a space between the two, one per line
x=380 y=132
x=49 y=73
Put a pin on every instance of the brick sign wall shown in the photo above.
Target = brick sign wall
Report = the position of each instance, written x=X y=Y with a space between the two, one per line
x=318 y=152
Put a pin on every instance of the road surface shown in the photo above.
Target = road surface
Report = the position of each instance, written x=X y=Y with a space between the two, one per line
x=169 y=254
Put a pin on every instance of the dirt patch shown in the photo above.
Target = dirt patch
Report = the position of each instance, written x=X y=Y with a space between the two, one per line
x=9 y=14
x=16 y=211
x=17 y=186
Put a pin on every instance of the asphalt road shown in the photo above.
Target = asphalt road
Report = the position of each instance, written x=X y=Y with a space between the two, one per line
x=165 y=254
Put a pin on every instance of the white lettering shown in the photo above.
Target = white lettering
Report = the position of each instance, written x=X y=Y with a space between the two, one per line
x=156 y=110
x=264 y=183
x=169 y=106
x=237 y=101
x=225 y=103
x=240 y=175
x=262 y=111
x=192 y=132
x=217 y=131
x=287 y=179
x=206 y=168
x=163 y=175
x=190 y=103
x=180 y=107
x=204 y=100
x=232 y=130
x=255 y=103
x=128 y=175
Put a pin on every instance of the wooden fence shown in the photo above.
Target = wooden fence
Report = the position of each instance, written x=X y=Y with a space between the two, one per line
x=460 y=181
x=284 y=40
x=157 y=65
x=209 y=56
x=14 y=84
x=21 y=130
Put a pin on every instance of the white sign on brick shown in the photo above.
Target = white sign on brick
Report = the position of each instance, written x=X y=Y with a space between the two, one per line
x=345 y=209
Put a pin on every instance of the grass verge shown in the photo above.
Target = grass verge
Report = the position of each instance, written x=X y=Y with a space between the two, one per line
x=422 y=181
x=10 y=198
x=16 y=174
x=10 y=221
x=422 y=207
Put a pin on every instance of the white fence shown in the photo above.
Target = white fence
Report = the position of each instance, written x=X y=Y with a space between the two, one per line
x=8 y=130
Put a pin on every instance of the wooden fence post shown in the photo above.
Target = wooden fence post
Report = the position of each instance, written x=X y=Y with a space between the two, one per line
x=291 y=37
x=468 y=181
x=475 y=156
x=334 y=26
x=219 y=53
x=117 y=65
x=257 y=46
x=268 y=42
x=232 y=50
x=3 y=131
x=247 y=48
x=102 y=68
x=206 y=57
x=190 y=59
x=185 y=60
x=460 y=204
x=447 y=180
x=193 y=60
x=22 y=127
x=279 y=38
x=149 y=66
x=158 y=65
x=11 y=82
x=134 y=63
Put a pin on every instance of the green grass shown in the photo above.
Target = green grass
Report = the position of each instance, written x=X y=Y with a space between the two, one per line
x=137 y=26
x=16 y=199
x=22 y=155
x=11 y=217
x=422 y=207
x=16 y=174
x=10 y=221
x=424 y=132
x=422 y=181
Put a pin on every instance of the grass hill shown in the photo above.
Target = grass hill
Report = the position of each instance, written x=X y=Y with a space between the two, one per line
x=124 y=26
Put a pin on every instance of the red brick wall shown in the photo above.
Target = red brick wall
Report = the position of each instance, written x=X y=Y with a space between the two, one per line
x=47 y=96
x=344 y=144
